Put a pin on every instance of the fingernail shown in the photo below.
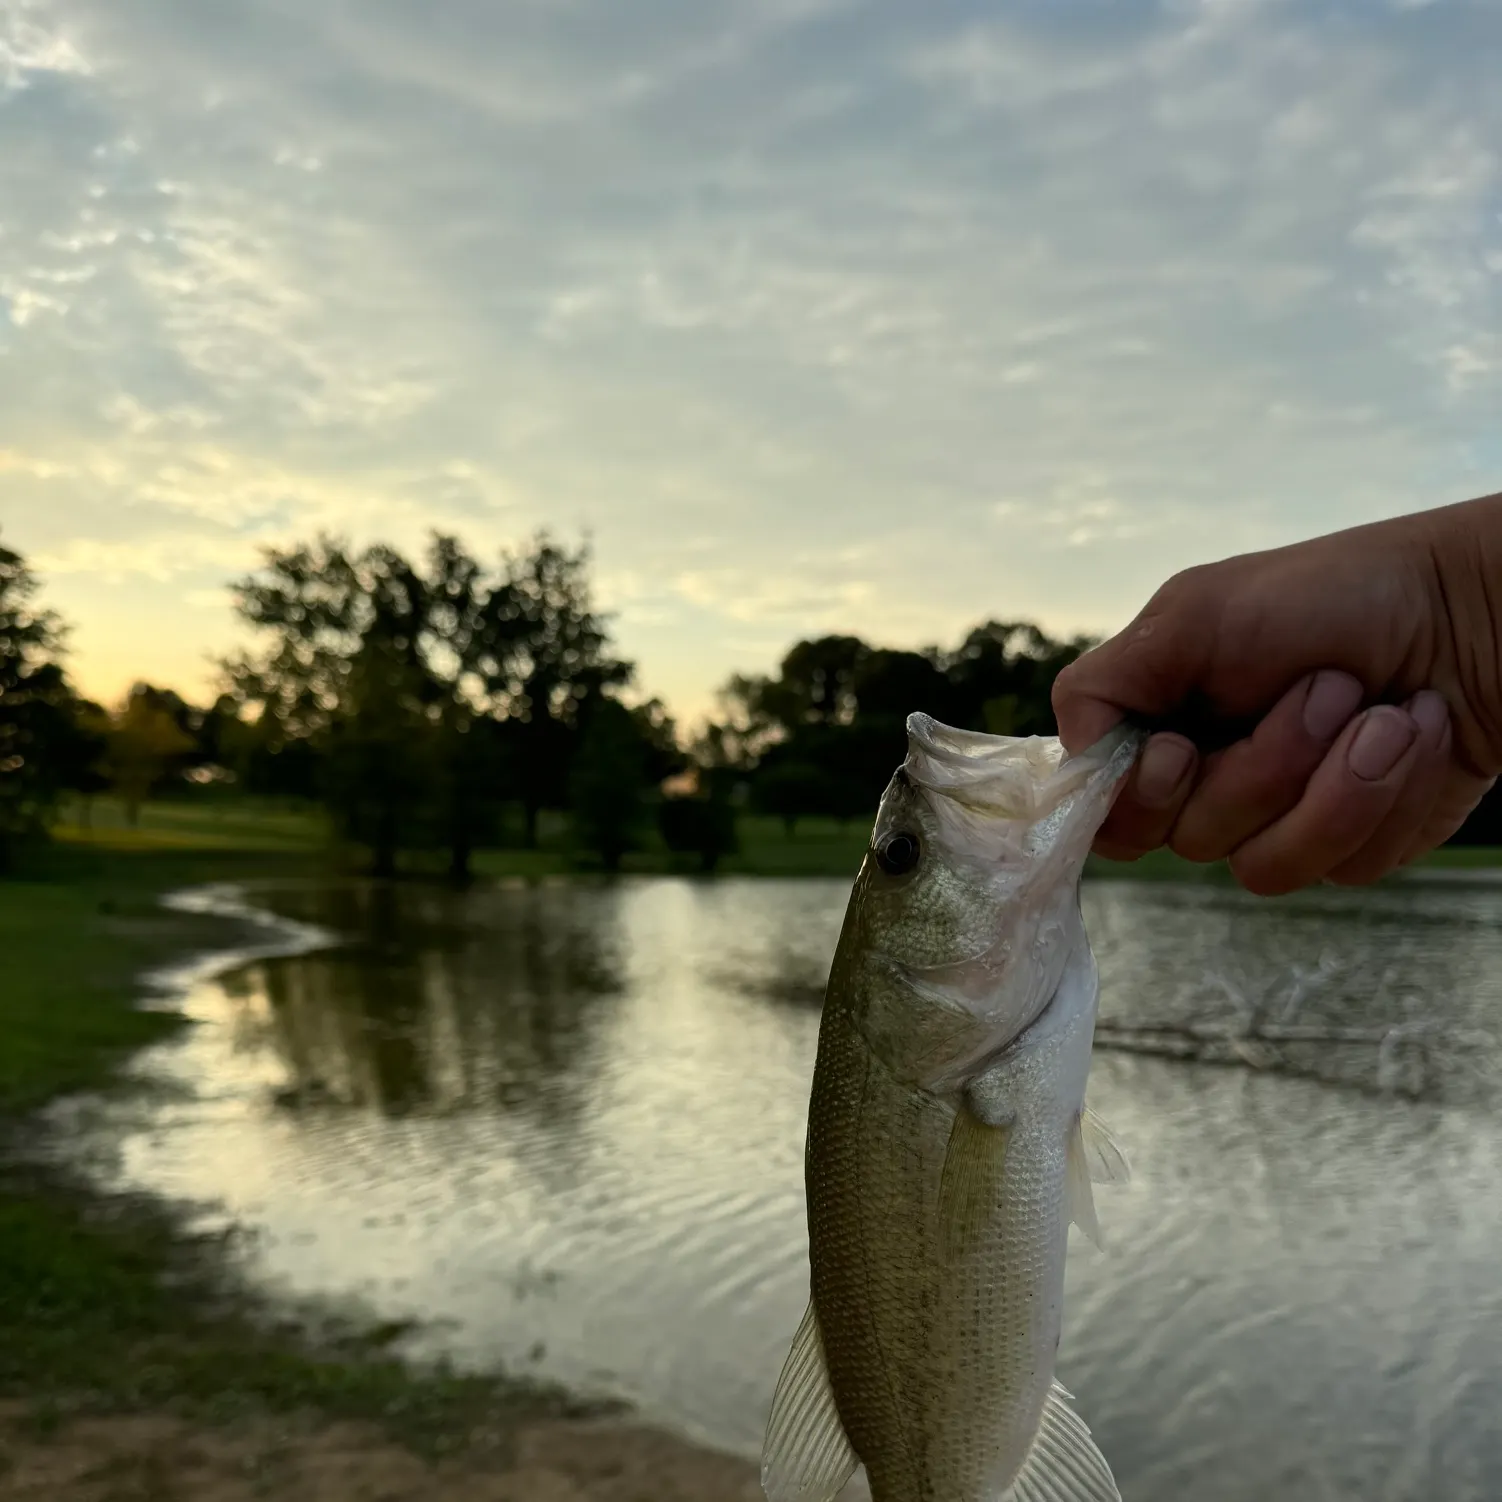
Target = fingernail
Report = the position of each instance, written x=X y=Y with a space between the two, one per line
x=1164 y=762
x=1381 y=743
x=1331 y=701
x=1430 y=713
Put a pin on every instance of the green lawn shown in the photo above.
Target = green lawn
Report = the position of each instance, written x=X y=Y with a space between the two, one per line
x=219 y=824
x=89 y=1316
x=1463 y=857
x=210 y=823
x=236 y=826
x=73 y=937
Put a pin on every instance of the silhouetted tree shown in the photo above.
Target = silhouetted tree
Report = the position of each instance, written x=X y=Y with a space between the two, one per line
x=428 y=691
x=80 y=755
x=543 y=654
x=609 y=782
x=815 y=685
x=702 y=824
x=791 y=790
x=145 y=742
x=663 y=756
x=824 y=735
x=892 y=684
x=380 y=751
x=1002 y=675
x=37 y=709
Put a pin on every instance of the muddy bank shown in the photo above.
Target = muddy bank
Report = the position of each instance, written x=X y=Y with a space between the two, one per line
x=157 y=1457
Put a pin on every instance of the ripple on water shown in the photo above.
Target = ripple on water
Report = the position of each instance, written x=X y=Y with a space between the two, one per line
x=569 y=1119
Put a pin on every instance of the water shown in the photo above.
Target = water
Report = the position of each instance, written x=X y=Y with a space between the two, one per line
x=562 y=1126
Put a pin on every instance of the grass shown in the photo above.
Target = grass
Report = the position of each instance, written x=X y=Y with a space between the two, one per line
x=229 y=825
x=211 y=823
x=238 y=826
x=108 y=1306
x=104 y=1301
x=1463 y=857
x=74 y=936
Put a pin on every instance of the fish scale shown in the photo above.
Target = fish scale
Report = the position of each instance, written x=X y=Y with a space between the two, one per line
x=946 y=1151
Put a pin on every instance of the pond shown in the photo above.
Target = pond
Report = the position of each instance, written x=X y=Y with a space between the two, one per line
x=562 y=1125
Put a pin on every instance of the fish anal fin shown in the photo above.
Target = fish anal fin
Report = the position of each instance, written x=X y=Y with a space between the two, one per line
x=1064 y=1463
x=1108 y=1163
x=806 y=1455
x=971 y=1182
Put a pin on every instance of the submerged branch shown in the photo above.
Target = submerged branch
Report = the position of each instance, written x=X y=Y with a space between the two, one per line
x=1404 y=1051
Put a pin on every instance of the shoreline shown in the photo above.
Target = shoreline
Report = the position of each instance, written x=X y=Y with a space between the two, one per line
x=219 y=1394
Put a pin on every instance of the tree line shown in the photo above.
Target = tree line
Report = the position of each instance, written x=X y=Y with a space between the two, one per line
x=433 y=703
x=823 y=735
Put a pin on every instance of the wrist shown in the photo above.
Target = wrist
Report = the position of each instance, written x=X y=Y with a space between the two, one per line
x=1463 y=545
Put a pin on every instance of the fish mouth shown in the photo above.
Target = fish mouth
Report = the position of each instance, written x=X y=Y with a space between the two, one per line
x=1023 y=813
x=1027 y=789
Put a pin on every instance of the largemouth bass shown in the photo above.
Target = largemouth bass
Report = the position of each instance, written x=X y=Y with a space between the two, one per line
x=949 y=1145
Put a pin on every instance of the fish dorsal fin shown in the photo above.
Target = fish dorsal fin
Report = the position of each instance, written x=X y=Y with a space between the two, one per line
x=971 y=1181
x=806 y=1456
x=1093 y=1156
x=1064 y=1463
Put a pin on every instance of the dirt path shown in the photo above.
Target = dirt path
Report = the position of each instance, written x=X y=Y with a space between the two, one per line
x=160 y=1458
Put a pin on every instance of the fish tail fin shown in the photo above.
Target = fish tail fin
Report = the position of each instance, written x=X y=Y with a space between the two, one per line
x=1064 y=1463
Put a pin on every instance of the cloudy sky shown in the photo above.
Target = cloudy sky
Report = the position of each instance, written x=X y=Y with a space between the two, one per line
x=815 y=314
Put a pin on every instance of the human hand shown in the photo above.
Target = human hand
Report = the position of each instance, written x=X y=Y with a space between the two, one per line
x=1357 y=679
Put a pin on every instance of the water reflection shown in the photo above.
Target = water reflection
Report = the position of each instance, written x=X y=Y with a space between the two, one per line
x=435 y=1003
x=564 y=1126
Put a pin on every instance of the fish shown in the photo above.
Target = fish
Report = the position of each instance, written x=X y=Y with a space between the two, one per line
x=949 y=1145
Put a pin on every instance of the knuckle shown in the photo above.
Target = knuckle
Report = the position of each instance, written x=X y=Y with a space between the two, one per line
x=1200 y=844
x=1263 y=876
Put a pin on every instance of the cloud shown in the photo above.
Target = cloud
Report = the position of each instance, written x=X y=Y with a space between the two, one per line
x=1030 y=305
x=30 y=48
x=156 y=558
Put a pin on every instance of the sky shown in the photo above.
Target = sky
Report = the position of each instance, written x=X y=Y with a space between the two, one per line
x=813 y=315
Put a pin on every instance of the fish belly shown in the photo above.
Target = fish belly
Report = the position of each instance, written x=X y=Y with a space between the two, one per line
x=940 y=1358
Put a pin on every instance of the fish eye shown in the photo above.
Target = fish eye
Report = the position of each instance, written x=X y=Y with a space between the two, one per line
x=898 y=853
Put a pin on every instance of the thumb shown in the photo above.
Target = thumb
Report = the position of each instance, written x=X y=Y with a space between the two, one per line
x=1147 y=669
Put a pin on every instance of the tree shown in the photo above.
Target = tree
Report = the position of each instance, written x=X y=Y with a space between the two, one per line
x=815 y=685
x=1002 y=676
x=349 y=670
x=80 y=756
x=701 y=825
x=826 y=732
x=424 y=691
x=609 y=782
x=36 y=708
x=145 y=742
x=380 y=751
x=790 y=790
x=542 y=654
x=662 y=755
x=892 y=684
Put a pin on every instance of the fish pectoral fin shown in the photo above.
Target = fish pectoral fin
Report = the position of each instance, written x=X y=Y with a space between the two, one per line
x=1093 y=1157
x=806 y=1456
x=1108 y=1163
x=1080 y=1197
x=971 y=1181
x=1064 y=1463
